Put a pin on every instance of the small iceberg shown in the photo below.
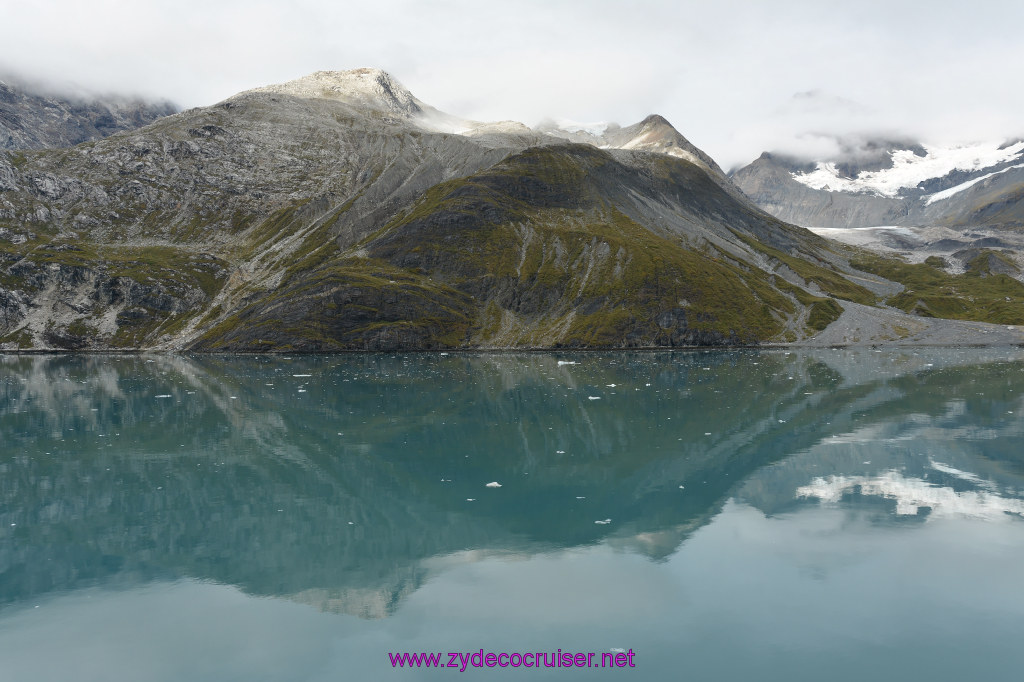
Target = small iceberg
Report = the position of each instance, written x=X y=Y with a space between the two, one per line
x=493 y=484
x=593 y=397
x=603 y=523
x=165 y=395
x=566 y=362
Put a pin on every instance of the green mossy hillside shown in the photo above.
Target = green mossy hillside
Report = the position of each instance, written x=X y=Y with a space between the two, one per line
x=931 y=292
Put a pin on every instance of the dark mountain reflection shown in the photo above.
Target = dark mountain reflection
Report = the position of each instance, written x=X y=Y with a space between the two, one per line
x=331 y=479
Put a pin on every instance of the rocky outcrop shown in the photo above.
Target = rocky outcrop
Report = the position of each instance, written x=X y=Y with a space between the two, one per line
x=31 y=119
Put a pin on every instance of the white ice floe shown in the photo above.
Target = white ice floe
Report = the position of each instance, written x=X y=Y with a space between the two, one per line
x=493 y=484
x=603 y=523
x=566 y=362
x=593 y=397
x=302 y=375
x=165 y=395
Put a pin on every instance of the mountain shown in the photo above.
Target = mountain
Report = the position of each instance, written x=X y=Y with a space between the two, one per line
x=340 y=212
x=885 y=182
x=30 y=118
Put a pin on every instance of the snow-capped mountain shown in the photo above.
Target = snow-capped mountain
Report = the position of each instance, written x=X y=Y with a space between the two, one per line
x=893 y=183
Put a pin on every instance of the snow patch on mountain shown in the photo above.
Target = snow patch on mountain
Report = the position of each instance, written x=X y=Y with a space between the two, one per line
x=909 y=170
x=947 y=193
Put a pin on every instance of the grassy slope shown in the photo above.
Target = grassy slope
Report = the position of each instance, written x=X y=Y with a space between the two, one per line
x=535 y=251
x=931 y=292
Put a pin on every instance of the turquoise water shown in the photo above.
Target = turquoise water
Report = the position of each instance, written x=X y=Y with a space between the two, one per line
x=818 y=515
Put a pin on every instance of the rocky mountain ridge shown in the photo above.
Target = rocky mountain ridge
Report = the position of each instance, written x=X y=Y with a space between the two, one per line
x=34 y=119
x=338 y=212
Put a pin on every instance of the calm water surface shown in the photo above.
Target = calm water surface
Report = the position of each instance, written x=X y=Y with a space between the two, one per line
x=819 y=515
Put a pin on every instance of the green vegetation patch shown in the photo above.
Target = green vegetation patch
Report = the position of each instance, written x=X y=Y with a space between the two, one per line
x=352 y=304
x=823 y=313
x=21 y=338
x=626 y=281
x=931 y=292
x=989 y=262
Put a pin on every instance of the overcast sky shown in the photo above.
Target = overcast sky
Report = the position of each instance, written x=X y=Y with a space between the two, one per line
x=735 y=77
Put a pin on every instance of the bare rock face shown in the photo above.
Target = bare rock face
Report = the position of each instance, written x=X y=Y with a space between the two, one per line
x=30 y=119
x=369 y=88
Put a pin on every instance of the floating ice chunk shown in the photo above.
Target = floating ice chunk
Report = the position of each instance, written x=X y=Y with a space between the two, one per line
x=493 y=484
x=165 y=395
x=707 y=433
x=603 y=523
x=302 y=390
x=580 y=497
x=946 y=469
x=302 y=375
x=681 y=487
x=566 y=362
x=470 y=499
x=559 y=452
x=610 y=385
x=593 y=397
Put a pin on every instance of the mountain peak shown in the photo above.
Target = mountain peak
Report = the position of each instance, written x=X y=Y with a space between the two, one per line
x=655 y=120
x=373 y=87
